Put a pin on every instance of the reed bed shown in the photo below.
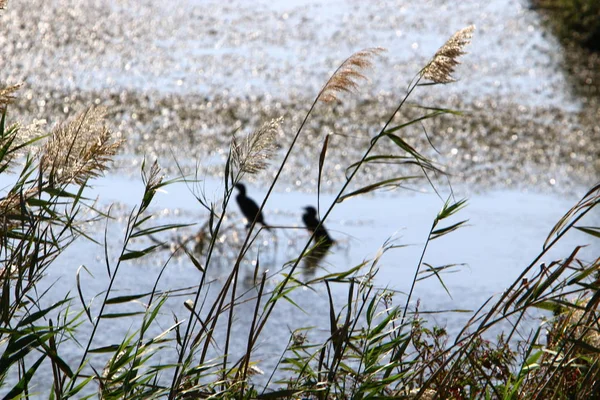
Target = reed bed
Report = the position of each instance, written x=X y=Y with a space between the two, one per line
x=378 y=344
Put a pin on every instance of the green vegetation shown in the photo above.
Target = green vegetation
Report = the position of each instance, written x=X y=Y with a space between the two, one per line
x=575 y=20
x=375 y=348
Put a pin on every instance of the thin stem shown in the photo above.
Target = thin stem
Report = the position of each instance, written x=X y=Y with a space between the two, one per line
x=373 y=142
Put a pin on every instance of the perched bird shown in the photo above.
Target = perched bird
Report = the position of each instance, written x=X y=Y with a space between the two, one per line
x=312 y=224
x=249 y=207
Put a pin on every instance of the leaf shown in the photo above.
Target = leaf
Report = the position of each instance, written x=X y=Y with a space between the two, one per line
x=121 y=315
x=590 y=200
x=321 y=162
x=587 y=347
x=279 y=394
x=40 y=314
x=433 y=114
x=450 y=209
x=80 y=292
x=394 y=182
x=149 y=319
x=23 y=383
x=106 y=349
x=138 y=253
x=590 y=230
x=157 y=229
x=444 y=231
x=548 y=305
x=126 y=299
x=537 y=289
x=436 y=271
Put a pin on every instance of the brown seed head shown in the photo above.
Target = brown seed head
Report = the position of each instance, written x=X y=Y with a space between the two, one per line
x=7 y=93
x=346 y=77
x=441 y=66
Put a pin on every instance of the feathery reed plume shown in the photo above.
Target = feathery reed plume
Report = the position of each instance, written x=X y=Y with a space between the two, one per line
x=7 y=93
x=252 y=153
x=153 y=179
x=441 y=66
x=79 y=149
x=346 y=77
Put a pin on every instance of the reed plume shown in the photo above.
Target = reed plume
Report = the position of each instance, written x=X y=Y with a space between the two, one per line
x=7 y=93
x=346 y=77
x=441 y=67
x=251 y=155
x=80 y=149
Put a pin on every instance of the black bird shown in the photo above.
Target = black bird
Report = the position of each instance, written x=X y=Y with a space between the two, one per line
x=312 y=224
x=249 y=207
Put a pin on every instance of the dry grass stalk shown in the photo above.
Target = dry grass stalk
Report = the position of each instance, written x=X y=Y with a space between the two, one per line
x=7 y=94
x=80 y=149
x=346 y=77
x=441 y=67
x=251 y=155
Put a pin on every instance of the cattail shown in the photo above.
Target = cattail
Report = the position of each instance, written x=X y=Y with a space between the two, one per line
x=7 y=94
x=251 y=155
x=80 y=149
x=346 y=77
x=441 y=66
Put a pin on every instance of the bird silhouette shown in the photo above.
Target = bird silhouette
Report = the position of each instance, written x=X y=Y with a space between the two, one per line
x=311 y=221
x=249 y=207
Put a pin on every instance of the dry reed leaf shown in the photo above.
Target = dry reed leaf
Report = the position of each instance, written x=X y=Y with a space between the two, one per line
x=251 y=155
x=7 y=95
x=346 y=77
x=80 y=149
x=441 y=67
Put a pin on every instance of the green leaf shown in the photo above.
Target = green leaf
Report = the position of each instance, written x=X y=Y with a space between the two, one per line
x=450 y=209
x=40 y=314
x=23 y=383
x=106 y=349
x=536 y=290
x=388 y=183
x=444 y=231
x=121 y=315
x=548 y=305
x=590 y=230
x=157 y=229
x=138 y=253
x=414 y=121
x=279 y=394
x=126 y=299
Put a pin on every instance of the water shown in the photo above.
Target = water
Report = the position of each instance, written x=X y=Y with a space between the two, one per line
x=179 y=76
x=505 y=231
